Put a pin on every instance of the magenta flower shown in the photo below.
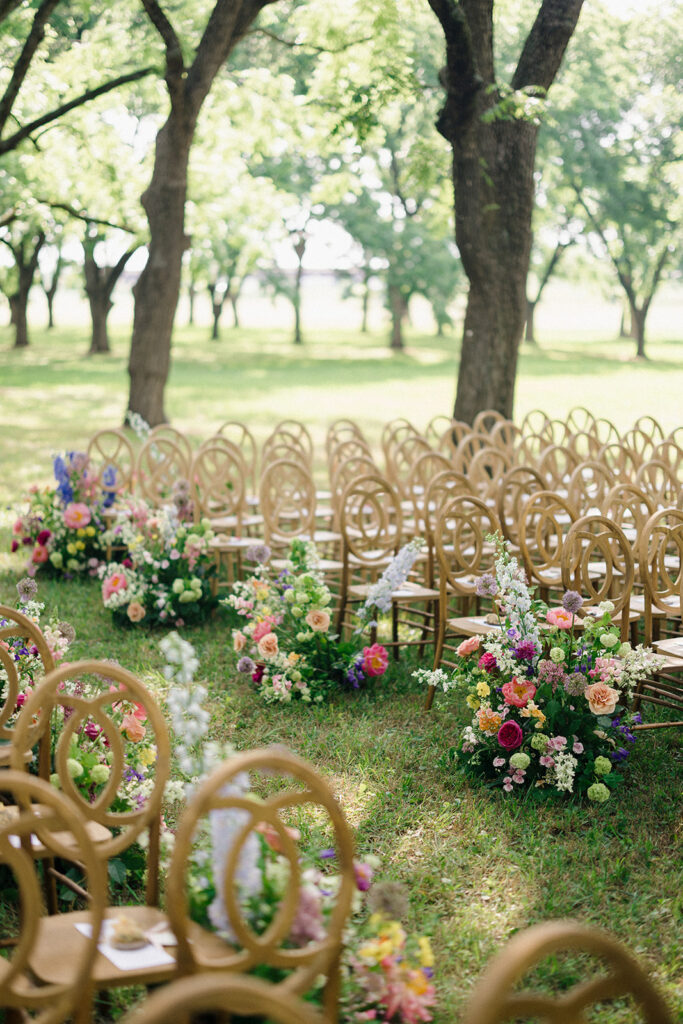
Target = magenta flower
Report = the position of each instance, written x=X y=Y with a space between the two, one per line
x=488 y=662
x=510 y=735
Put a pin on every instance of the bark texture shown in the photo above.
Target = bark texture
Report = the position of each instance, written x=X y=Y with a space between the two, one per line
x=100 y=282
x=157 y=289
x=493 y=165
x=26 y=259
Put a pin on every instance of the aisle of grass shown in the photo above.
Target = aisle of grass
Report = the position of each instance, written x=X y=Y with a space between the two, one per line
x=478 y=865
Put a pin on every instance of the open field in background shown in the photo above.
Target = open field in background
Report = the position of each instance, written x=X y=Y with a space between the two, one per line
x=478 y=866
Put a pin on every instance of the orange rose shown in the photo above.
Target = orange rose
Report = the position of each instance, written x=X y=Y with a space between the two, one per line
x=135 y=611
x=134 y=729
x=319 y=621
x=268 y=646
x=238 y=640
x=602 y=699
x=468 y=646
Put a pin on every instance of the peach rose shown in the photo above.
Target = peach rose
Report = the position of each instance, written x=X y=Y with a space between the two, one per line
x=135 y=611
x=133 y=728
x=319 y=621
x=469 y=646
x=239 y=640
x=273 y=837
x=602 y=699
x=268 y=646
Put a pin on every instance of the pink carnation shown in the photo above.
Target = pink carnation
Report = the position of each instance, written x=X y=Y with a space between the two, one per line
x=375 y=660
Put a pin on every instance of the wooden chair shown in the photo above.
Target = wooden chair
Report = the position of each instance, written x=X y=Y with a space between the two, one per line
x=670 y=453
x=422 y=473
x=44 y=816
x=485 y=471
x=622 y=462
x=393 y=434
x=342 y=430
x=589 y=485
x=436 y=428
x=300 y=433
x=630 y=508
x=463 y=554
x=288 y=503
x=218 y=493
x=486 y=420
x=240 y=435
x=659 y=481
x=346 y=473
x=584 y=444
x=497 y=997
x=451 y=438
x=93 y=698
x=506 y=436
x=515 y=486
x=404 y=457
x=544 y=522
x=580 y=419
x=605 y=431
x=467 y=449
x=597 y=561
x=161 y=464
x=168 y=433
x=341 y=453
x=236 y=996
x=284 y=446
x=223 y=794
x=112 y=462
x=641 y=444
x=445 y=485
x=556 y=464
x=557 y=432
x=650 y=427
x=529 y=448
x=17 y=627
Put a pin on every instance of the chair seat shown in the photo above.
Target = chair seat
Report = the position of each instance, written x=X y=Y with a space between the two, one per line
x=672 y=647
x=6 y=755
x=407 y=592
x=472 y=625
x=324 y=565
x=98 y=833
x=225 y=543
x=637 y=604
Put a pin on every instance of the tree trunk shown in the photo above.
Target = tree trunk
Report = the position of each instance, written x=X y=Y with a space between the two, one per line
x=529 y=333
x=191 y=293
x=99 y=286
x=366 y=302
x=233 y=303
x=397 y=307
x=18 y=303
x=50 y=296
x=50 y=289
x=299 y=249
x=217 y=300
x=157 y=289
x=99 y=311
x=638 y=317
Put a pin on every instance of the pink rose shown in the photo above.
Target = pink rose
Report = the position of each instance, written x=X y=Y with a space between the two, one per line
x=560 y=617
x=263 y=627
x=510 y=735
x=469 y=646
x=76 y=515
x=268 y=645
x=133 y=728
x=135 y=611
x=40 y=554
x=602 y=699
x=488 y=662
x=518 y=692
x=239 y=640
x=375 y=660
x=319 y=621
x=18 y=527
x=113 y=584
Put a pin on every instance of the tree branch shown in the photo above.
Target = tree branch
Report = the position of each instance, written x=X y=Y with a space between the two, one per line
x=31 y=44
x=116 y=271
x=12 y=141
x=624 y=280
x=460 y=77
x=6 y=8
x=309 y=46
x=81 y=215
x=544 y=48
x=175 y=66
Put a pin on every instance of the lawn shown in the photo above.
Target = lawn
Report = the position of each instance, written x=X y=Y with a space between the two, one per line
x=478 y=866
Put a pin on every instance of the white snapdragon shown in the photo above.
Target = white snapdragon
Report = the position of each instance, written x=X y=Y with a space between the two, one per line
x=392 y=579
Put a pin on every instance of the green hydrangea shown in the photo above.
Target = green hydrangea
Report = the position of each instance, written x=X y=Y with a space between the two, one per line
x=556 y=655
x=609 y=640
x=598 y=793
x=99 y=773
x=603 y=766
x=539 y=741
x=520 y=760
x=54 y=779
x=74 y=768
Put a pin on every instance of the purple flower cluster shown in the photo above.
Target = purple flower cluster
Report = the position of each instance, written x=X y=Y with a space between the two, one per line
x=621 y=753
x=549 y=672
x=355 y=674
x=525 y=650
x=572 y=601
x=487 y=585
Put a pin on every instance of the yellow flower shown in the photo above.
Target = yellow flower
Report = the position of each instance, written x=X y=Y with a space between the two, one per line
x=71 y=548
x=376 y=951
x=80 y=545
x=426 y=955
x=483 y=689
x=80 y=532
x=417 y=982
x=472 y=701
x=90 y=531
x=293 y=657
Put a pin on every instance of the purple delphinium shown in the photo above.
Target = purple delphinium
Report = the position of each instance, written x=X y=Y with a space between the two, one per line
x=487 y=585
x=572 y=601
x=525 y=650
x=245 y=665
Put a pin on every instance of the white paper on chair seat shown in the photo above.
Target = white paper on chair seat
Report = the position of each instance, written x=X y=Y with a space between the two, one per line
x=127 y=959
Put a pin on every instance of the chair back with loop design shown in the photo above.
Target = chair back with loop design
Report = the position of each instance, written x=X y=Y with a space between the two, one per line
x=463 y=552
x=516 y=485
x=497 y=997
x=287 y=502
x=101 y=708
x=161 y=464
x=236 y=814
x=240 y=435
x=597 y=561
x=589 y=485
x=16 y=628
x=544 y=522
x=45 y=817
x=112 y=462
x=218 y=483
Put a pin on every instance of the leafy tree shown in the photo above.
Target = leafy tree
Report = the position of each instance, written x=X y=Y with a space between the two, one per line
x=492 y=127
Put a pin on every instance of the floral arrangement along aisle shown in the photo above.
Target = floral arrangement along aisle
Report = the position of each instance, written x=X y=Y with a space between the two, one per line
x=284 y=636
x=63 y=524
x=550 y=699
x=165 y=576
x=387 y=973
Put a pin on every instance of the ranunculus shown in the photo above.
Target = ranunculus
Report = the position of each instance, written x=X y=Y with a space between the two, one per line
x=135 y=611
x=469 y=646
x=560 y=617
x=510 y=735
x=375 y=660
x=518 y=692
x=268 y=645
x=77 y=514
x=133 y=728
x=488 y=662
x=257 y=674
x=113 y=584
x=239 y=640
x=262 y=628
x=40 y=554
x=18 y=527
x=602 y=699
x=15 y=545
x=44 y=536
x=319 y=621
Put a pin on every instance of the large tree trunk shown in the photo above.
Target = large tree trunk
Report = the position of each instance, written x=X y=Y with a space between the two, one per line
x=529 y=332
x=18 y=303
x=638 y=317
x=397 y=308
x=99 y=311
x=493 y=165
x=157 y=289
x=366 y=302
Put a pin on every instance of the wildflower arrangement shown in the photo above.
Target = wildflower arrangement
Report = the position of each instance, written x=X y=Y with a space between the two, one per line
x=550 y=701
x=165 y=576
x=63 y=525
x=284 y=638
x=378 y=602
x=29 y=666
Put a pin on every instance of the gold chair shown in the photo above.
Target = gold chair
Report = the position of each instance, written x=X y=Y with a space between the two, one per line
x=588 y=486
x=451 y=438
x=659 y=481
x=544 y=522
x=650 y=427
x=287 y=500
x=112 y=461
x=580 y=419
x=486 y=420
x=247 y=997
x=14 y=625
x=218 y=492
x=45 y=817
x=160 y=465
x=597 y=561
x=168 y=433
x=497 y=997
x=241 y=436
x=516 y=485
x=485 y=471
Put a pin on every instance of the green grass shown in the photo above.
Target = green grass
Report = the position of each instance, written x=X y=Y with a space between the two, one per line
x=478 y=866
